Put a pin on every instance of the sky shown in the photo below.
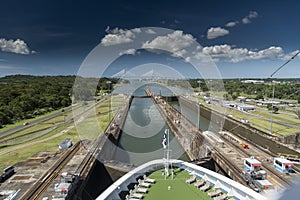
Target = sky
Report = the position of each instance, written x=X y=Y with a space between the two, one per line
x=245 y=38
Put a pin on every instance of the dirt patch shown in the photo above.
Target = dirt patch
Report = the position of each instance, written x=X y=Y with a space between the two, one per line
x=21 y=177
x=32 y=163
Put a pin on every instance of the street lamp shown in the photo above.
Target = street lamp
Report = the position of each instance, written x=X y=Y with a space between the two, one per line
x=109 y=82
x=198 y=122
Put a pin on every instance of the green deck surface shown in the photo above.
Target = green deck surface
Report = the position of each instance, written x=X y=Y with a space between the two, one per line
x=179 y=188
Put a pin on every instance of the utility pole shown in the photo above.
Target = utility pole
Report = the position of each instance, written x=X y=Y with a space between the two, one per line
x=198 y=121
x=109 y=99
x=273 y=90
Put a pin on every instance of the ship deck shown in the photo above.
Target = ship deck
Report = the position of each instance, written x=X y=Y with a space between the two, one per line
x=174 y=188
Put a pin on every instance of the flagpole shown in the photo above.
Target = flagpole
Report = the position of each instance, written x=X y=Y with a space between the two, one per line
x=168 y=151
x=166 y=146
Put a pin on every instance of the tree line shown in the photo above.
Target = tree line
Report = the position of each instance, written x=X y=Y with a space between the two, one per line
x=284 y=89
x=26 y=96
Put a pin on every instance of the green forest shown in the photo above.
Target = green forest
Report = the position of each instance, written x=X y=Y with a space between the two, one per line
x=23 y=97
x=26 y=96
x=287 y=89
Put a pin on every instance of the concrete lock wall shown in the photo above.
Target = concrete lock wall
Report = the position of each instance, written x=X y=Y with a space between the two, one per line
x=246 y=131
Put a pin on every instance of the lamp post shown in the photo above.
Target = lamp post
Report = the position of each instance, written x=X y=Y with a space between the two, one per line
x=109 y=82
x=198 y=121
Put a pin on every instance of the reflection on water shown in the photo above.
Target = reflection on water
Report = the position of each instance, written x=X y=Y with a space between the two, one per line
x=137 y=88
x=192 y=115
x=141 y=139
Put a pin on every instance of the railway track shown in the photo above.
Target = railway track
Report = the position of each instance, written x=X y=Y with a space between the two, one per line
x=263 y=154
x=266 y=152
x=90 y=159
x=277 y=177
x=44 y=181
x=273 y=174
x=233 y=169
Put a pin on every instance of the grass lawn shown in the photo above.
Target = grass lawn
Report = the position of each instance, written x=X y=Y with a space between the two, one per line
x=179 y=188
x=25 y=153
x=258 y=123
x=52 y=145
x=21 y=122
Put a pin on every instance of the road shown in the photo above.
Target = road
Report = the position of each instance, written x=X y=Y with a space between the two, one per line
x=294 y=126
x=35 y=122
x=77 y=121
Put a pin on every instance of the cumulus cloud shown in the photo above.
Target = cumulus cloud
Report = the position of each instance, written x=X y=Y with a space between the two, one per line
x=136 y=30
x=17 y=46
x=175 y=42
x=246 y=20
x=128 y=52
x=215 y=32
x=229 y=53
x=187 y=59
x=150 y=31
x=119 y=36
x=292 y=54
x=232 y=24
x=251 y=15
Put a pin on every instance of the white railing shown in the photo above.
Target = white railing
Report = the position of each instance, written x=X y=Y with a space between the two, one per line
x=224 y=183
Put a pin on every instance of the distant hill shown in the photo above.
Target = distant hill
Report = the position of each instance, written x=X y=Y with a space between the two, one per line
x=25 y=96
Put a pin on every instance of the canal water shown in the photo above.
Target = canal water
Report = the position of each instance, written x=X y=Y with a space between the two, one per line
x=144 y=128
x=142 y=135
x=204 y=123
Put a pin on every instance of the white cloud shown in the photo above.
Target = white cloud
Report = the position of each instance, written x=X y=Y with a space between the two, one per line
x=119 y=36
x=175 y=42
x=128 y=52
x=229 y=53
x=246 y=20
x=180 y=53
x=232 y=24
x=251 y=15
x=6 y=67
x=215 y=32
x=271 y=53
x=136 y=30
x=150 y=31
x=291 y=54
x=188 y=59
x=14 y=46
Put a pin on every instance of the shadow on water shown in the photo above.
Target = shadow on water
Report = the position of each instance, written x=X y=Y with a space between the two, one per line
x=100 y=179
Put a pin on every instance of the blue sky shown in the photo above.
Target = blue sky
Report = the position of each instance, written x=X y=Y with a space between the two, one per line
x=244 y=38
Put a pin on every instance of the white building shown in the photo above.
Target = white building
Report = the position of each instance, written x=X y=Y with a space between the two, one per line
x=245 y=107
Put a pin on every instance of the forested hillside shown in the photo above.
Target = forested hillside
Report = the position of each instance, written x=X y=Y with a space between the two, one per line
x=23 y=97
